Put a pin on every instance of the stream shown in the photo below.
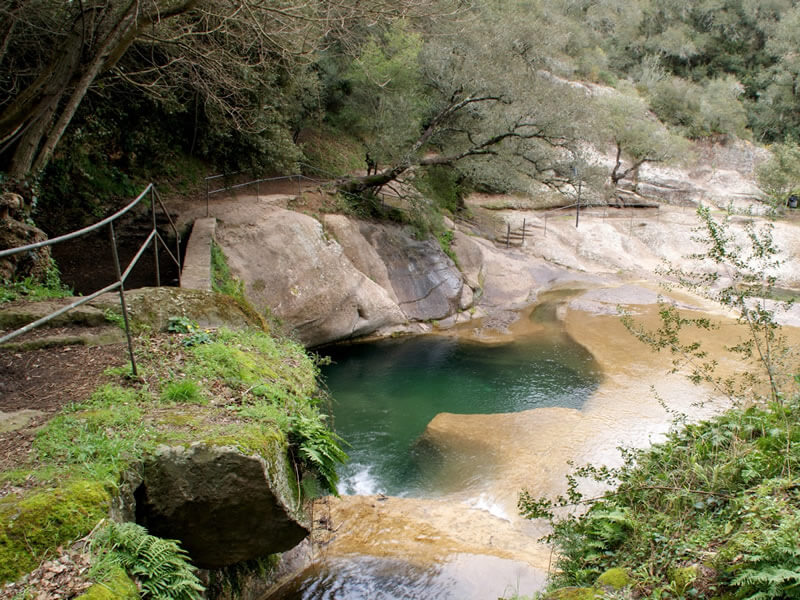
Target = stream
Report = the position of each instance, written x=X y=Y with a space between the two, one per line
x=387 y=392
x=386 y=396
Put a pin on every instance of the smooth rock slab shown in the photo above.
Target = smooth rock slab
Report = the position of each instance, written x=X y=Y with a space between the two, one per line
x=223 y=506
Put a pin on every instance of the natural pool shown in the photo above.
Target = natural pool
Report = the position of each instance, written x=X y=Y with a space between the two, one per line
x=386 y=392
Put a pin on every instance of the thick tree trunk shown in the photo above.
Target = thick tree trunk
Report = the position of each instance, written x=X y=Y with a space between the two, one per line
x=40 y=115
x=117 y=41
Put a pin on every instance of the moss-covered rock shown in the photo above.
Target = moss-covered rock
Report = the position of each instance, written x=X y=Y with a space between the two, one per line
x=615 y=579
x=118 y=586
x=683 y=577
x=41 y=520
x=224 y=507
x=151 y=308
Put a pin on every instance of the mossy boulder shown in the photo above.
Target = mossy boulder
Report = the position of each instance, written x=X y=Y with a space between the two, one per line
x=151 y=308
x=683 y=577
x=42 y=520
x=118 y=586
x=616 y=579
x=224 y=506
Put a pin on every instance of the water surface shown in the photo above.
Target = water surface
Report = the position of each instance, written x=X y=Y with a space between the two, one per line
x=386 y=392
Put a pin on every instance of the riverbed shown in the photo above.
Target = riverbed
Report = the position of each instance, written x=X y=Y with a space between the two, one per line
x=462 y=537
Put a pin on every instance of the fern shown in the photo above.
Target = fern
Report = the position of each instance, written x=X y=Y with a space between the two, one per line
x=161 y=566
x=318 y=448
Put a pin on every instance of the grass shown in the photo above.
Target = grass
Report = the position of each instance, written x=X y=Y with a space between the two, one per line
x=29 y=288
x=258 y=384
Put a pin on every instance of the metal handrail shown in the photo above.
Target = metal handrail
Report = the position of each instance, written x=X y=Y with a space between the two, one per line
x=153 y=237
x=298 y=176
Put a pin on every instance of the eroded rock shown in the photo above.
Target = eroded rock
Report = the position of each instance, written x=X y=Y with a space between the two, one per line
x=426 y=283
x=223 y=506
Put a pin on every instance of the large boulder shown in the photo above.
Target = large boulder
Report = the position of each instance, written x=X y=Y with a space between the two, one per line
x=223 y=506
x=33 y=263
x=291 y=267
x=504 y=279
x=425 y=281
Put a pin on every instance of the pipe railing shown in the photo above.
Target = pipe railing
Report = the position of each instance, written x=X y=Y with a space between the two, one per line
x=154 y=237
x=300 y=177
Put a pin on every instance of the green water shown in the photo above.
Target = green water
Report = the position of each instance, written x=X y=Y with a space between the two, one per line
x=386 y=392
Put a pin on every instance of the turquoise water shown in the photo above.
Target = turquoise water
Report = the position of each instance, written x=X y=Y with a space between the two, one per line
x=386 y=392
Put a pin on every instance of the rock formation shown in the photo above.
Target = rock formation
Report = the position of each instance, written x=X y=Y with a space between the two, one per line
x=223 y=506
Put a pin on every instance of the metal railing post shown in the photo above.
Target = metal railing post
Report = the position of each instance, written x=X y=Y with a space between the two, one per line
x=524 y=222
x=508 y=234
x=207 y=194
x=299 y=187
x=545 y=225
x=122 y=297
x=155 y=240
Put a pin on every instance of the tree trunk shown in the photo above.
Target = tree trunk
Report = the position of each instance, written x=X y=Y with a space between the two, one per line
x=119 y=36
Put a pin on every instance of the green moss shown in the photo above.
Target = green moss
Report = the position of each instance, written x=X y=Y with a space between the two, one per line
x=683 y=577
x=43 y=520
x=615 y=578
x=251 y=438
x=575 y=593
x=118 y=586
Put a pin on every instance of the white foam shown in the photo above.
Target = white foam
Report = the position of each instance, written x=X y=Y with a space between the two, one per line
x=361 y=483
x=488 y=504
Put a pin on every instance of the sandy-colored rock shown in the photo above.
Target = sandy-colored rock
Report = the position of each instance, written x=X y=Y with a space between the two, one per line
x=361 y=253
x=467 y=298
x=303 y=276
x=424 y=279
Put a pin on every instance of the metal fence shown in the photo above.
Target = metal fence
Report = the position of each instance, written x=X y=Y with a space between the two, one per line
x=153 y=237
x=257 y=181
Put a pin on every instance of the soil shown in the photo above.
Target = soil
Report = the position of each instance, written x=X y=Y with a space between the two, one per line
x=45 y=381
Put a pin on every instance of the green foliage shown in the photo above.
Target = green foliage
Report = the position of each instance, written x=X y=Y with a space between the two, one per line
x=779 y=175
x=192 y=334
x=186 y=391
x=638 y=138
x=382 y=83
x=446 y=242
x=42 y=520
x=161 y=566
x=222 y=281
x=30 y=289
x=445 y=186
x=181 y=325
x=318 y=448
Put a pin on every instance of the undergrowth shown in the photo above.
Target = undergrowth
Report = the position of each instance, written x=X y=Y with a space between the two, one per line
x=245 y=389
x=721 y=496
x=29 y=288
x=161 y=566
x=714 y=510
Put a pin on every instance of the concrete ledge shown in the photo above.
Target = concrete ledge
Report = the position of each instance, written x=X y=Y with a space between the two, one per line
x=196 y=274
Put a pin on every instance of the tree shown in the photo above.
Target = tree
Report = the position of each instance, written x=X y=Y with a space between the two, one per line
x=779 y=175
x=226 y=54
x=491 y=96
x=637 y=137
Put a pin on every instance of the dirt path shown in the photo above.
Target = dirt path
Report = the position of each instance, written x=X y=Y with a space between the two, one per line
x=36 y=384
